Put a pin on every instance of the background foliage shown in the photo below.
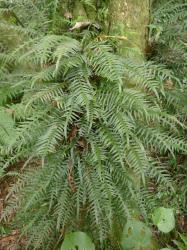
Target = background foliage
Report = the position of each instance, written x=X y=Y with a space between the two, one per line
x=100 y=138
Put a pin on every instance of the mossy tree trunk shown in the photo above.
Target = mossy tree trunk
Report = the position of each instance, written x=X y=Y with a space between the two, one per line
x=125 y=18
x=130 y=18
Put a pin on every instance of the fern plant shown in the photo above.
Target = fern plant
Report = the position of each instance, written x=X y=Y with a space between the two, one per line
x=168 y=35
x=89 y=125
x=168 y=39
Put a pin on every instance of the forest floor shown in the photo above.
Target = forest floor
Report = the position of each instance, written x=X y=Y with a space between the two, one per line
x=9 y=239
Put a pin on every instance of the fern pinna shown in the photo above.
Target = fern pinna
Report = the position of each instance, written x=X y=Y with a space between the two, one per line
x=168 y=35
x=89 y=126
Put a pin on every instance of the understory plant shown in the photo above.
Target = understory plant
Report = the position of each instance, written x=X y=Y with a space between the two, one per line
x=168 y=42
x=91 y=130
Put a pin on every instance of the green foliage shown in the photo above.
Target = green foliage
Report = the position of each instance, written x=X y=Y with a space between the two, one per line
x=168 y=35
x=89 y=3
x=6 y=128
x=181 y=245
x=136 y=235
x=168 y=43
x=4 y=230
x=77 y=241
x=164 y=219
x=91 y=127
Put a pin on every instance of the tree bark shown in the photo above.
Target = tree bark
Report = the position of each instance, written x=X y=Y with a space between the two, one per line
x=130 y=18
x=126 y=18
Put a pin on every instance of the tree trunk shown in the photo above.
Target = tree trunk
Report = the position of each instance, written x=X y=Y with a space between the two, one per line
x=130 y=18
x=126 y=19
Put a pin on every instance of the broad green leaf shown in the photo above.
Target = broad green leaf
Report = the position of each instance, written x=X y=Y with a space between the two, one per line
x=77 y=241
x=135 y=234
x=164 y=219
